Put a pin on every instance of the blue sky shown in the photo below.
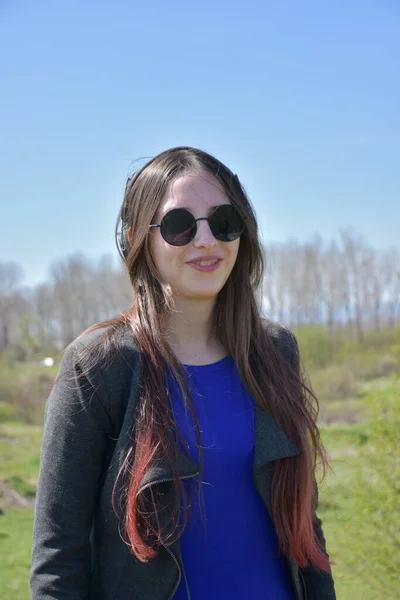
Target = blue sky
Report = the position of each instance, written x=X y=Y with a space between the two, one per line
x=301 y=99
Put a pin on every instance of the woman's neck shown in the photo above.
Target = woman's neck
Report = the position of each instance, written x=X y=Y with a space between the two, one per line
x=190 y=335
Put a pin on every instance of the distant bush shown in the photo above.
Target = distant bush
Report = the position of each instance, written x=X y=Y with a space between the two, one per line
x=395 y=349
x=337 y=364
x=382 y=338
x=8 y=412
x=24 y=388
x=368 y=361
x=317 y=347
x=335 y=382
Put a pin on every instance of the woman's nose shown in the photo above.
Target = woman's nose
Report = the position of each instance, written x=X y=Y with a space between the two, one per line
x=204 y=236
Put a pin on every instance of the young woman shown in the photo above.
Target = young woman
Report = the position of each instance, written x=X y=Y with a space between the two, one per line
x=180 y=440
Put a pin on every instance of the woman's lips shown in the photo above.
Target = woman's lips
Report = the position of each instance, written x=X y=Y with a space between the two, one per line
x=205 y=265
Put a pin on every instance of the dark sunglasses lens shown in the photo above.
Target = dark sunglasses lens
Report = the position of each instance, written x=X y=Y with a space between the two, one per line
x=178 y=227
x=226 y=223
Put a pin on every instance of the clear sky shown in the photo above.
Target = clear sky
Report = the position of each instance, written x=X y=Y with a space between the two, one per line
x=300 y=99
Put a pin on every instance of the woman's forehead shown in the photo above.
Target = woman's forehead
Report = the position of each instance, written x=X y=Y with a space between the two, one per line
x=195 y=191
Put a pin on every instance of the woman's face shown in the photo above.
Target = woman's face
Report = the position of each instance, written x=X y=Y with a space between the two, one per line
x=200 y=269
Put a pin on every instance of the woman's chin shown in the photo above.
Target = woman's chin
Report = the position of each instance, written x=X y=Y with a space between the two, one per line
x=203 y=292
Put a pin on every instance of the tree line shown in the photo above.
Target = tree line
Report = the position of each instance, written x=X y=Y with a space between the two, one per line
x=344 y=282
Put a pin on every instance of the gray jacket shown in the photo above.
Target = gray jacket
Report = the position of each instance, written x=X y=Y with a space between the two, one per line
x=78 y=552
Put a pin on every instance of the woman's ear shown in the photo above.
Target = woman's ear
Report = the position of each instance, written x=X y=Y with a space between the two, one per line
x=129 y=234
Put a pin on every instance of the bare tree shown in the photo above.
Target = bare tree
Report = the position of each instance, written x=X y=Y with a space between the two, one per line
x=70 y=279
x=340 y=283
x=332 y=285
x=85 y=293
x=392 y=274
x=43 y=301
x=12 y=302
x=356 y=254
x=113 y=291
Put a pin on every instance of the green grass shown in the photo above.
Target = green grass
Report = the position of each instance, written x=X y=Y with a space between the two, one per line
x=335 y=494
x=20 y=450
x=15 y=553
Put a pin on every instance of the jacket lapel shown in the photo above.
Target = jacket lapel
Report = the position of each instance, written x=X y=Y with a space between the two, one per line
x=271 y=442
x=161 y=471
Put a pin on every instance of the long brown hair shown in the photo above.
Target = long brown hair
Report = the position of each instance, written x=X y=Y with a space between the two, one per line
x=238 y=325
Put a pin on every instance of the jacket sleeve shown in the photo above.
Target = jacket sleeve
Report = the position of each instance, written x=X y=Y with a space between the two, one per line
x=319 y=585
x=74 y=444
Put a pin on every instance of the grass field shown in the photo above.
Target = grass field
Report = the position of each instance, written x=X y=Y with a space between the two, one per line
x=19 y=446
x=19 y=449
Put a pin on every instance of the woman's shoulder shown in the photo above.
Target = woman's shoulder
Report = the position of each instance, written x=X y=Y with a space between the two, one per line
x=108 y=349
x=108 y=358
x=283 y=339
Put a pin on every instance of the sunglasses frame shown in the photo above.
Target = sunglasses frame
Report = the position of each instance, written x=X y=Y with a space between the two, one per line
x=200 y=219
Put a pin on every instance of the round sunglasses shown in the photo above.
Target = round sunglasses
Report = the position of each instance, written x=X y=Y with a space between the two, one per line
x=179 y=227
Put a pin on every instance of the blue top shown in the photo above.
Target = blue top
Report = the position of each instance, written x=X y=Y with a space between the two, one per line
x=229 y=548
